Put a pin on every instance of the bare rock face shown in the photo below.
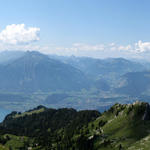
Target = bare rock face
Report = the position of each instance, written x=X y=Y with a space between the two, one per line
x=146 y=115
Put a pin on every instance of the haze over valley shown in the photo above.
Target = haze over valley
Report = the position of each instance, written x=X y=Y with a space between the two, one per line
x=30 y=78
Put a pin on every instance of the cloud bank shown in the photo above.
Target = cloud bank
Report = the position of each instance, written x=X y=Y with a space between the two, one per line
x=20 y=37
x=140 y=50
x=18 y=34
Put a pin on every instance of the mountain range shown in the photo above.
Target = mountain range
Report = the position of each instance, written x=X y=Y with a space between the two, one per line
x=32 y=71
x=32 y=78
x=102 y=67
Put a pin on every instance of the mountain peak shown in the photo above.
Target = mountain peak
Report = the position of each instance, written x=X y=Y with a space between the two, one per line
x=35 y=71
x=35 y=54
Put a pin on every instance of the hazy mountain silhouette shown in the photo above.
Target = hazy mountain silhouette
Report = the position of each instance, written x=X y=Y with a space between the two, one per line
x=35 y=71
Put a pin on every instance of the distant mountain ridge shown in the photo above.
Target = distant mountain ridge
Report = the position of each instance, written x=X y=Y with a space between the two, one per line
x=95 y=67
x=135 y=83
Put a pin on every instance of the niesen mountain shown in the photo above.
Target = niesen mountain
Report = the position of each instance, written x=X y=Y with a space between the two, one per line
x=122 y=127
x=37 y=72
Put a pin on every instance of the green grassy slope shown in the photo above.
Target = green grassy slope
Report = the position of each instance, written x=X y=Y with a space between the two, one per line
x=121 y=127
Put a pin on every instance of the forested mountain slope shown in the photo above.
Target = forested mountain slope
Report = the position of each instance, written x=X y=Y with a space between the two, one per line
x=122 y=127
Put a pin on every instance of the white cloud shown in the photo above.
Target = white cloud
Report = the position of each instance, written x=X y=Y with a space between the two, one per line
x=19 y=34
x=88 y=47
x=142 y=46
x=126 y=48
x=134 y=50
x=112 y=44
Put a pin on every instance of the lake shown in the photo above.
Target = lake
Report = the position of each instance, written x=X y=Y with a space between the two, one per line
x=3 y=113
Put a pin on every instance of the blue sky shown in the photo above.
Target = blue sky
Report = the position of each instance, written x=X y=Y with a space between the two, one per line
x=98 y=28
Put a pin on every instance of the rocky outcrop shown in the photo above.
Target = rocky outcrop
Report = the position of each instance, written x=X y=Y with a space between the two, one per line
x=146 y=115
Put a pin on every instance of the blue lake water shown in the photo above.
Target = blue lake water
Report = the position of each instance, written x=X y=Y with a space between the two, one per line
x=3 y=113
